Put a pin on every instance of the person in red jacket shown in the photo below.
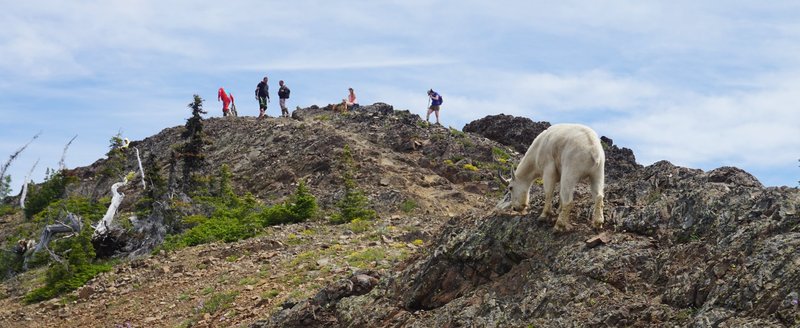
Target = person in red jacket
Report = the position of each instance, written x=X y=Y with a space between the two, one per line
x=226 y=101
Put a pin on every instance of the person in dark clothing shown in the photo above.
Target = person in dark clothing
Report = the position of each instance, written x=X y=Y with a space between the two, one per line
x=283 y=94
x=262 y=95
x=436 y=103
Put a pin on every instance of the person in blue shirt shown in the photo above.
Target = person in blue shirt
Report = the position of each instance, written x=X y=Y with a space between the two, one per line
x=436 y=103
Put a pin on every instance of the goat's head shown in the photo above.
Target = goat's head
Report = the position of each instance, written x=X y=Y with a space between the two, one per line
x=517 y=193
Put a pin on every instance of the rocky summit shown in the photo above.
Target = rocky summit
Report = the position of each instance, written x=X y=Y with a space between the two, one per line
x=680 y=247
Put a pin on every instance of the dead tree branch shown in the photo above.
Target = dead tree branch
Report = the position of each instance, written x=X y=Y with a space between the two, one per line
x=25 y=185
x=61 y=164
x=14 y=157
x=72 y=225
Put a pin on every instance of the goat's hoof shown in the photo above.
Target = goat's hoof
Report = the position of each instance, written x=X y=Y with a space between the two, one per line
x=545 y=216
x=562 y=227
x=598 y=224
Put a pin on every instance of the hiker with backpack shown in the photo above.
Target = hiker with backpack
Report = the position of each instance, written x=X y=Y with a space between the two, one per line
x=436 y=102
x=226 y=101
x=262 y=95
x=283 y=94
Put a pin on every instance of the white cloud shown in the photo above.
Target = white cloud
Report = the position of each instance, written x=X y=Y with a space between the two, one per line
x=697 y=83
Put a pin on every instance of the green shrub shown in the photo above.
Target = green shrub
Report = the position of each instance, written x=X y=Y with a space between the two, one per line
x=5 y=186
x=78 y=268
x=359 y=225
x=408 y=206
x=115 y=164
x=10 y=264
x=90 y=210
x=6 y=209
x=39 y=197
x=352 y=206
x=227 y=223
x=156 y=187
x=299 y=208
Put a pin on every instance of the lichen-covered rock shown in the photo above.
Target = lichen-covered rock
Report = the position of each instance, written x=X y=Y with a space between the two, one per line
x=686 y=248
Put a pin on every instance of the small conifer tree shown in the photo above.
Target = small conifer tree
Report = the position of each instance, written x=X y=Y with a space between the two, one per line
x=354 y=203
x=192 y=150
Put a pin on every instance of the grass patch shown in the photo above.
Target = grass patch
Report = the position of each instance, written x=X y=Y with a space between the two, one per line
x=359 y=225
x=457 y=133
x=408 y=206
x=363 y=259
x=218 y=302
x=270 y=294
x=248 y=281
x=470 y=167
x=207 y=290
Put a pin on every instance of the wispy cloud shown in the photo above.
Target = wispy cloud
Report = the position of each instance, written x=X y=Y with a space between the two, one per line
x=698 y=83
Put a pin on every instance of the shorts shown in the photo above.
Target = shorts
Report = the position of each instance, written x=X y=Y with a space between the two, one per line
x=262 y=102
x=283 y=103
x=434 y=108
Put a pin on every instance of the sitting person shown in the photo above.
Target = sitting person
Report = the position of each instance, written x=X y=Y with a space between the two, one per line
x=351 y=100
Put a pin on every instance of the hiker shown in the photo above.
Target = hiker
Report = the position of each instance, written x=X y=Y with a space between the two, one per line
x=226 y=101
x=436 y=103
x=262 y=95
x=283 y=94
x=351 y=101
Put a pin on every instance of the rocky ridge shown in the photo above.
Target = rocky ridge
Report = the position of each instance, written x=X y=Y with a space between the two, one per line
x=682 y=247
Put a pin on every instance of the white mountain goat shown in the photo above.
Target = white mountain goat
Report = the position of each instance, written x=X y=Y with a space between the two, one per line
x=564 y=153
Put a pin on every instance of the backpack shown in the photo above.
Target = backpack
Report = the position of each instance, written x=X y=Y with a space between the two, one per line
x=284 y=92
x=439 y=102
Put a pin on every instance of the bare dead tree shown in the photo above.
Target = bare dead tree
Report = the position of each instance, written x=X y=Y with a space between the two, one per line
x=141 y=169
x=14 y=157
x=61 y=164
x=104 y=225
x=25 y=185
x=71 y=226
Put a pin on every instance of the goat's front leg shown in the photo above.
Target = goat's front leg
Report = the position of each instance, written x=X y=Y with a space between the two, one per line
x=549 y=178
x=567 y=191
x=563 y=224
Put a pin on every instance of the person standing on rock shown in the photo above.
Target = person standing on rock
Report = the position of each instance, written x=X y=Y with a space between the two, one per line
x=226 y=101
x=283 y=94
x=262 y=95
x=436 y=103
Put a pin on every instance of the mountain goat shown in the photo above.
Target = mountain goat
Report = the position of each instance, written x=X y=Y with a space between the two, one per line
x=564 y=153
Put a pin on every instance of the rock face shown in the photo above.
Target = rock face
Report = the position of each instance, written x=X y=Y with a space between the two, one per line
x=516 y=132
x=684 y=248
x=519 y=133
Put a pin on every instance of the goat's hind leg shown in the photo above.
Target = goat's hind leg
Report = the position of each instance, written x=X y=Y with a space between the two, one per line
x=597 y=184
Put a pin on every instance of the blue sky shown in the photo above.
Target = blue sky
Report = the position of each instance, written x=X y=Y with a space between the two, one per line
x=701 y=84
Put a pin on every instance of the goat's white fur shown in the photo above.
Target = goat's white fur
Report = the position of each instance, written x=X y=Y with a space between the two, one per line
x=564 y=153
